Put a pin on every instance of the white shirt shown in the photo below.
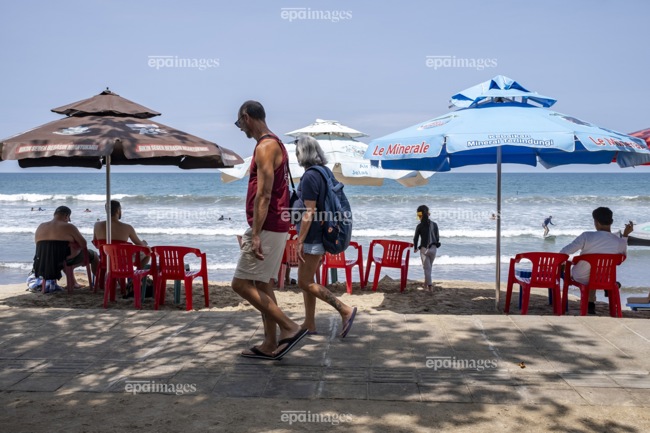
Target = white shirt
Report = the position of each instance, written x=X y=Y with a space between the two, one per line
x=598 y=242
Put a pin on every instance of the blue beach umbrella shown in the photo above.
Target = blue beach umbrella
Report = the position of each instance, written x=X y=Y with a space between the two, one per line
x=500 y=121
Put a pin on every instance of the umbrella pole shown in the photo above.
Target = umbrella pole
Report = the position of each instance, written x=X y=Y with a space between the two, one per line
x=498 y=243
x=108 y=199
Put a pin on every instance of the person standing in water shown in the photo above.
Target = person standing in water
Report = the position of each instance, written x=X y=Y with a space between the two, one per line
x=545 y=224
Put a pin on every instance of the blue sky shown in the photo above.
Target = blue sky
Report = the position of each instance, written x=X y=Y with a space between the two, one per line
x=367 y=70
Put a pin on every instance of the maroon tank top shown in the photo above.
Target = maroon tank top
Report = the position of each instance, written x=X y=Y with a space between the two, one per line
x=279 y=194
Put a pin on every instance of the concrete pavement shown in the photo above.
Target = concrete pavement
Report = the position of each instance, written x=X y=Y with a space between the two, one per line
x=462 y=360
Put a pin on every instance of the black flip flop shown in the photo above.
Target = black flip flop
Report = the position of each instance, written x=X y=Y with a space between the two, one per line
x=258 y=354
x=290 y=342
x=348 y=324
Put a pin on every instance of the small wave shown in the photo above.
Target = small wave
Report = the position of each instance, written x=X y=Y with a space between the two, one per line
x=461 y=260
x=36 y=198
x=463 y=233
x=17 y=229
x=98 y=197
x=191 y=231
x=222 y=266
x=505 y=233
x=20 y=266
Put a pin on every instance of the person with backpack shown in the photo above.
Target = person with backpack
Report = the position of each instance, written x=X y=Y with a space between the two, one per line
x=429 y=242
x=314 y=191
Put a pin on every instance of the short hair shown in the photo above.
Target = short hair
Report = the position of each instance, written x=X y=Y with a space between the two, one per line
x=63 y=210
x=254 y=109
x=309 y=152
x=603 y=215
x=115 y=206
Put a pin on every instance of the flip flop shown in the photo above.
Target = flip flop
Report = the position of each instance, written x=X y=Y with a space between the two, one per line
x=348 y=324
x=258 y=354
x=290 y=343
x=312 y=332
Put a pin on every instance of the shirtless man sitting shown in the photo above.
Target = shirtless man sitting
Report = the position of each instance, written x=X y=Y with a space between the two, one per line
x=119 y=231
x=61 y=229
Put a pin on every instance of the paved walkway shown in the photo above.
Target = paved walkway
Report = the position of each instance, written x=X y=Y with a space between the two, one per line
x=493 y=359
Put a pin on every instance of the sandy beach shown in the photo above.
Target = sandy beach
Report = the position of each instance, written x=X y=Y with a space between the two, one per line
x=448 y=297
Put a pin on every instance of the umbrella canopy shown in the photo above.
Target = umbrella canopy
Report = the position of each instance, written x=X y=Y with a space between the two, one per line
x=106 y=103
x=644 y=135
x=328 y=127
x=86 y=141
x=345 y=159
x=500 y=121
x=109 y=129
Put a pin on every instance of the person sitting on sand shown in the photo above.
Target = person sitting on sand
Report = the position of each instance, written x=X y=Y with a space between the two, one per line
x=602 y=241
x=57 y=241
x=119 y=231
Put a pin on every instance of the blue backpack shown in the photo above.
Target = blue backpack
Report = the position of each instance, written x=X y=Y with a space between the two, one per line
x=336 y=216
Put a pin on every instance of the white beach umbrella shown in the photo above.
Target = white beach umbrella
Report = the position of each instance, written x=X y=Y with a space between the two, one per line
x=332 y=127
x=344 y=157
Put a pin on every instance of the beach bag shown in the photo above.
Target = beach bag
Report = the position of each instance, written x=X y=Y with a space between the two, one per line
x=148 y=292
x=35 y=284
x=336 y=215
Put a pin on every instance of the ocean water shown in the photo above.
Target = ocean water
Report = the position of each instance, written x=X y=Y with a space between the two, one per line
x=184 y=209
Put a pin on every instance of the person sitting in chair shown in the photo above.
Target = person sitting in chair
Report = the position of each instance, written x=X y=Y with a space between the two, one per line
x=59 y=242
x=119 y=231
x=602 y=241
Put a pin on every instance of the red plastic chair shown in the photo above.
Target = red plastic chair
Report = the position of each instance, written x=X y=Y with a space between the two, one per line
x=545 y=274
x=602 y=276
x=100 y=278
x=171 y=266
x=289 y=260
x=392 y=257
x=122 y=267
x=339 y=261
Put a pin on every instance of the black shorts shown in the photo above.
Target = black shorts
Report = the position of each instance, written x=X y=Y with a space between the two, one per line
x=79 y=258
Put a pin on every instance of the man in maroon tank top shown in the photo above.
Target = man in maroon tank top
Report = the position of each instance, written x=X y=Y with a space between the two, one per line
x=263 y=242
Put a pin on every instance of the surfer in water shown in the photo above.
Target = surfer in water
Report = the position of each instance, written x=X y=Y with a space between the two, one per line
x=545 y=224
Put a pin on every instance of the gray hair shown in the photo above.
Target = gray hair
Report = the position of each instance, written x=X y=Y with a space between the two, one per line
x=309 y=152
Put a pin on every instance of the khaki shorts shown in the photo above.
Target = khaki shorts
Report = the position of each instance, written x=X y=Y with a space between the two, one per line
x=250 y=267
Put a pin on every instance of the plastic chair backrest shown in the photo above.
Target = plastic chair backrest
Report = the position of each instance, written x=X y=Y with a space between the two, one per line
x=121 y=256
x=393 y=250
x=545 y=268
x=171 y=260
x=291 y=253
x=339 y=260
x=602 y=274
x=99 y=243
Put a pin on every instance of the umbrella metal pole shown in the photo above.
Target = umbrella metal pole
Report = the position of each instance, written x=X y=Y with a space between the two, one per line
x=498 y=243
x=108 y=208
x=108 y=199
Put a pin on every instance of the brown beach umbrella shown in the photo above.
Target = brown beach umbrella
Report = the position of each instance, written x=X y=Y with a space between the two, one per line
x=106 y=103
x=91 y=141
x=108 y=129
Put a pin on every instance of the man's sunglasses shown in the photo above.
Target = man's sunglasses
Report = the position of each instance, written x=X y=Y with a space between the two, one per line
x=238 y=122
